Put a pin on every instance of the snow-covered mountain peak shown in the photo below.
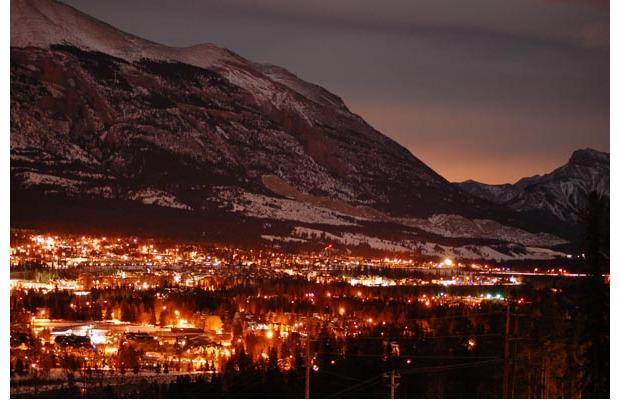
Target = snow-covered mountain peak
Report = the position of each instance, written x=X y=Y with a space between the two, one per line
x=589 y=157
x=43 y=23
x=562 y=192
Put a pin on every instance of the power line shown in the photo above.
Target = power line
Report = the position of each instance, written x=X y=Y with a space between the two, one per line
x=407 y=356
x=339 y=376
x=387 y=337
x=457 y=316
x=357 y=386
x=418 y=370
x=449 y=367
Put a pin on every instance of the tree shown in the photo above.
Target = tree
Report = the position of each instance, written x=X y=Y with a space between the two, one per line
x=19 y=367
x=129 y=357
x=163 y=318
x=128 y=311
x=596 y=298
x=153 y=320
x=299 y=360
x=272 y=361
x=70 y=363
x=48 y=361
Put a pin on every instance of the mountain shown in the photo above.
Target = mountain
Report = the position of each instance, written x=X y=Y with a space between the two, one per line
x=112 y=131
x=562 y=193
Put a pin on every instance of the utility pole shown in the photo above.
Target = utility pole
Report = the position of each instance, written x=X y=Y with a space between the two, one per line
x=36 y=383
x=308 y=366
x=543 y=376
x=393 y=376
x=507 y=351
x=515 y=354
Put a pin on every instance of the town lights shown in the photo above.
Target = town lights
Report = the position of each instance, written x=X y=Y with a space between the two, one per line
x=341 y=311
x=269 y=334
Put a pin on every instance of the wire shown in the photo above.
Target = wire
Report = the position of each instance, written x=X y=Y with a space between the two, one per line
x=418 y=370
x=560 y=318
x=387 y=337
x=321 y=371
x=407 y=356
x=241 y=386
x=442 y=368
x=458 y=316
x=356 y=387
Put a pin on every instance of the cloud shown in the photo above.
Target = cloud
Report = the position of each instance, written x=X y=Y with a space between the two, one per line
x=594 y=35
x=565 y=21
x=600 y=4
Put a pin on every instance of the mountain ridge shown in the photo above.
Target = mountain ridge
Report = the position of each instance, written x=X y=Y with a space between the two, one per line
x=562 y=192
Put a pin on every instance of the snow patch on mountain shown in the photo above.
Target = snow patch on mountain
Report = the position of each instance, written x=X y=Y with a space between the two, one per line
x=448 y=225
x=308 y=90
x=285 y=239
x=38 y=179
x=102 y=191
x=261 y=206
x=470 y=252
x=158 y=198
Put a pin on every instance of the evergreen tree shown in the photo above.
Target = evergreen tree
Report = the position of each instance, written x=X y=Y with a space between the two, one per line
x=596 y=298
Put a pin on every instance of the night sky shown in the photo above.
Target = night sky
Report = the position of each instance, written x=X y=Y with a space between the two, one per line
x=491 y=90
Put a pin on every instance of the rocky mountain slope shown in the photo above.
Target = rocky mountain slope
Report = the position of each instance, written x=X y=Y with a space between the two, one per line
x=102 y=120
x=561 y=193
